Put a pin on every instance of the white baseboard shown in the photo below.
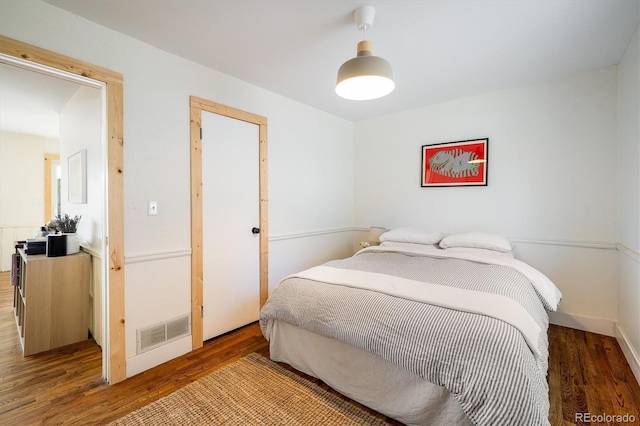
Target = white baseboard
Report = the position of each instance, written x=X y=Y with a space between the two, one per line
x=632 y=357
x=592 y=325
x=154 y=357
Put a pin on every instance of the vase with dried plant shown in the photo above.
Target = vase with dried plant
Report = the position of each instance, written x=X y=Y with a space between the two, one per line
x=67 y=225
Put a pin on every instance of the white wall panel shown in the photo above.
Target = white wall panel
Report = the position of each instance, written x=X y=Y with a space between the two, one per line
x=151 y=298
x=629 y=202
x=21 y=179
x=81 y=128
x=629 y=314
x=629 y=147
x=551 y=163
x=587 y=277
x=552 y=174
x=291 y=255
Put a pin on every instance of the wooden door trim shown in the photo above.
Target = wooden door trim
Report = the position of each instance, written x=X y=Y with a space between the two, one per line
x=48 y=159
x=197 y=105
x=115 y=183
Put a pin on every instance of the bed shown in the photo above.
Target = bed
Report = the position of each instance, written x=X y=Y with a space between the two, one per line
x=425 y=328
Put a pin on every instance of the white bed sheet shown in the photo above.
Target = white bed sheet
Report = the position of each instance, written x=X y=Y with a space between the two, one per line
x=365 y=377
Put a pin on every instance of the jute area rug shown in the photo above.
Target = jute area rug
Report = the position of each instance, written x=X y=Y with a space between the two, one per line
x=250 y=391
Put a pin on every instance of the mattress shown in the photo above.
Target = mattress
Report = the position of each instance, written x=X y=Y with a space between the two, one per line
x=366 y=378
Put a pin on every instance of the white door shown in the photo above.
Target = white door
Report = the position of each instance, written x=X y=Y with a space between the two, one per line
x=230 y=210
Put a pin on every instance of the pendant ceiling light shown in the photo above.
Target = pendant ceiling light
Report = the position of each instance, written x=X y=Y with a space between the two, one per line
x=365 y=76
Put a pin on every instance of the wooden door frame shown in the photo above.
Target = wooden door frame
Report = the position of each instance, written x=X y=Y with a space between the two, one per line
x=48 y=159
x=197 y=105
x=115 y=182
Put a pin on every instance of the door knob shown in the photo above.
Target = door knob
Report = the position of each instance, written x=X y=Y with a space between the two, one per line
x=255 y=230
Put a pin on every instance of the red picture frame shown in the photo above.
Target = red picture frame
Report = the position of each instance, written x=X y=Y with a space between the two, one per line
x=461 y=163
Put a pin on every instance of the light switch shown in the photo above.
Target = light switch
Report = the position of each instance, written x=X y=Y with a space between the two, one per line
x=153 y=208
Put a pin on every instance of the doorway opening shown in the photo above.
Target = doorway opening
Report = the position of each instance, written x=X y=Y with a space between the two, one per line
x=29 y=57
x=52 y=174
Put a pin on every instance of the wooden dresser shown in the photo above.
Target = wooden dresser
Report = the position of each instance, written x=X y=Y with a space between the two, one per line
x=51 y=300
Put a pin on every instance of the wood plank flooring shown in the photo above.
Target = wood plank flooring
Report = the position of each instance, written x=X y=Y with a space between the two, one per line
x=587 y=373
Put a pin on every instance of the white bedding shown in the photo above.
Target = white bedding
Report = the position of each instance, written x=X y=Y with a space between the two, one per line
x=366 y=378
x=438 y=338
x=493 y=305
x=545 y=287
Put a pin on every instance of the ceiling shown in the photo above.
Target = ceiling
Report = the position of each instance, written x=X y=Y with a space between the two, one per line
x=439 y=50
x=30 y=102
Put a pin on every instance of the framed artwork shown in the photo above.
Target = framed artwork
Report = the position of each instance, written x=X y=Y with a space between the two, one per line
x=462 y=163
x=78 y=177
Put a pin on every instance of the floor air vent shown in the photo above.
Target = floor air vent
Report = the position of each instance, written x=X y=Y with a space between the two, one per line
x=161 y=334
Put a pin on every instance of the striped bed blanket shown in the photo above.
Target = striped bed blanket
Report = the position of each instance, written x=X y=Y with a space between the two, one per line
x=495 y=364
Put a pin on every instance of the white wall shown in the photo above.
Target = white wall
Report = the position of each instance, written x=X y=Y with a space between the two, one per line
x=81 y=128
x=552 y=170
x=21 y=188
x=21 y=178
x=629 y=203
x=310 y=162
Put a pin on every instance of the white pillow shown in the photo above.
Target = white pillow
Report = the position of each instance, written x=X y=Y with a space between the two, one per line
x=412 y=235
x=476 y=240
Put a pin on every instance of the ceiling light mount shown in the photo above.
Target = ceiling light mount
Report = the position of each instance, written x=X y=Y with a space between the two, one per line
x=364 y=17
x=366 y=76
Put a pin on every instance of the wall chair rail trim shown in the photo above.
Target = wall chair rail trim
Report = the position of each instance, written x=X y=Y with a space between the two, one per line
x=295 y=235
x=158 y=255
x=602 y=245
x=169 y=254
x=630 y=253
x=93 y=252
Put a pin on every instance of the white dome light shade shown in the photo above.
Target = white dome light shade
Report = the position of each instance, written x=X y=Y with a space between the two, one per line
x=365 y=77
x=365 y=87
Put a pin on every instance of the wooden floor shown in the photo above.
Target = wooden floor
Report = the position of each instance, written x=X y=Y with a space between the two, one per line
x=587 y=373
